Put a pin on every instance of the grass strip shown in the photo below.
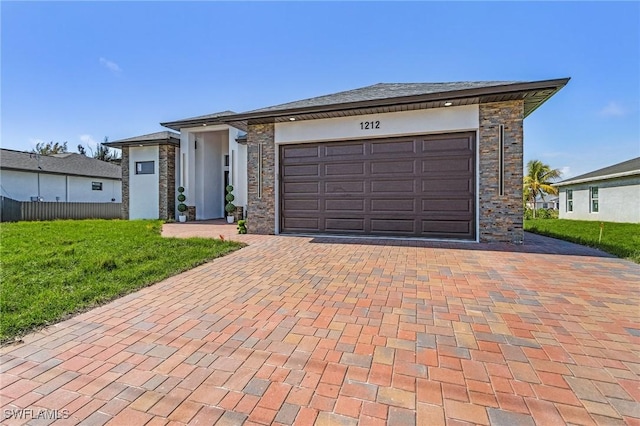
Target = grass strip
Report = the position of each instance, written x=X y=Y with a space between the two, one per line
x=619 y=239
x=50 y=270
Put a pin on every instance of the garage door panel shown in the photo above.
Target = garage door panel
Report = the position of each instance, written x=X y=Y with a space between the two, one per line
x=392 y=167
x=339 y=187
x=444 y=227
x=394 y=147
x=343 y=169
x=341 y=150
x=298 y=151
x=393 y=226
x=453 y=145
x=393 y=205
x=292 y=205
x=395 y=186
x=301 y=188
x=447 y=164
x=303 y=170
x=344 y=225
x=448 y=205
x=447 y=186
x=420 y=186
x=346 y=205
x=301 y=223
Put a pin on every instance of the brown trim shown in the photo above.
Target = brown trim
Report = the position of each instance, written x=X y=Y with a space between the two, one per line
x=172 y=141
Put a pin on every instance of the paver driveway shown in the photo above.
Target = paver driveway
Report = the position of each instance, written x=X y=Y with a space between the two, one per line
x=300 y=330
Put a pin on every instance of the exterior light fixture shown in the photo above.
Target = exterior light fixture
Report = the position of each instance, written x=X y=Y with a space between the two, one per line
x=448 y=103
x=292 y=119
x=204 y=124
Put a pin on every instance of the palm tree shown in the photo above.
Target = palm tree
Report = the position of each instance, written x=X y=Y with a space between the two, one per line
x=538 y=182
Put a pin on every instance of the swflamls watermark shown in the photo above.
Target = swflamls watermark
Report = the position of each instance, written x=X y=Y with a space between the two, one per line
x=34 y=413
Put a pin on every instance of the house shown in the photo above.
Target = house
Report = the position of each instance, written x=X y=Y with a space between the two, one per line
x=611 y=194
x=548 y=202
x=428 y=160
x=67 y=177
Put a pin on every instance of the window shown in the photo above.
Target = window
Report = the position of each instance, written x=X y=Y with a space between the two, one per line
x=569 y=200
x=226 y=161
x=144 y=167
x=593 y=199
x=96 y=186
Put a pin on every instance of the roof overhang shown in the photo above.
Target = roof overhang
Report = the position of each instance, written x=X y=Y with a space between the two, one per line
x=141 y=141
x=534 y=94
x=201 y=121
x=598 y=178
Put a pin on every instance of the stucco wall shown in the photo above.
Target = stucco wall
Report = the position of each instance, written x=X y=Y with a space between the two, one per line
x=618 y=200
x=22 y=186
x=144 y=195
x=238 y=170
x=440 y=120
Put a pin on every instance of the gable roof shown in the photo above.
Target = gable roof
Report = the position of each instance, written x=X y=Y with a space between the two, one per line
x=626 y=168
x=158 y=138
x=65 y=164
x=201 y=120
x=392 y=97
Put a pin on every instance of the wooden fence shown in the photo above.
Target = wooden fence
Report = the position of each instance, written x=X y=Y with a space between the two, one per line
x=13 y=211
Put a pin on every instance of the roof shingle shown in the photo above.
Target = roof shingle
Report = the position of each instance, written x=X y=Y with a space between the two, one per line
x=629 y=167
x=383 y=91
x=67 y=163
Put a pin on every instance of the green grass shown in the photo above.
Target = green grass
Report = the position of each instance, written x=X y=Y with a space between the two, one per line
x=50 y=270
x=619 y=239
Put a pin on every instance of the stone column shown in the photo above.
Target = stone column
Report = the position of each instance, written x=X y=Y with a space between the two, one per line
x=261 y=174
x=501 y=216
x=167 y=181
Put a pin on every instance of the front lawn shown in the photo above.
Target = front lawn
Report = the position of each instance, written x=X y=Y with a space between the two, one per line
x=620 y=239
x=49 y=270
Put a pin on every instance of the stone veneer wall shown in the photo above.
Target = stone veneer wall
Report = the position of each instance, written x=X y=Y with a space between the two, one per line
x=125 y=182
x=167 y=181
x=501 y=215
x=261 y=211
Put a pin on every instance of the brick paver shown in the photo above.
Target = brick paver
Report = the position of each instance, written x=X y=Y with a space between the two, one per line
x=297 y=330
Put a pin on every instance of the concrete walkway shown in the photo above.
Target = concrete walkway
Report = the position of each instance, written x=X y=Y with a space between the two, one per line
x=293 y=330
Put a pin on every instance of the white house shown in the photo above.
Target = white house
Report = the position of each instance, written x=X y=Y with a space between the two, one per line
x=427 y=160
x=203 y=158
x=611 y=194
x=68 y=177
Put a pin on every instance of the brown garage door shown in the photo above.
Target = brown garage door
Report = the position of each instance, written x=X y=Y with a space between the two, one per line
x=417 y=186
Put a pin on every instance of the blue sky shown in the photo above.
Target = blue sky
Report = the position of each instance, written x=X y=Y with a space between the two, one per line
x=80 y=71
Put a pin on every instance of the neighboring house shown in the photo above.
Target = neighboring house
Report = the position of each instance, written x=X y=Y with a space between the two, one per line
x=611 y=194
x=549 y=202
x=431 y=160
x=68 y=177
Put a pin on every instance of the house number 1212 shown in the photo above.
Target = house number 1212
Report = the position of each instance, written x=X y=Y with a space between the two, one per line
x=368 y=125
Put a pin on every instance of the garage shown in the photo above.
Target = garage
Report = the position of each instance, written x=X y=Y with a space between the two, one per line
x=409 y=186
